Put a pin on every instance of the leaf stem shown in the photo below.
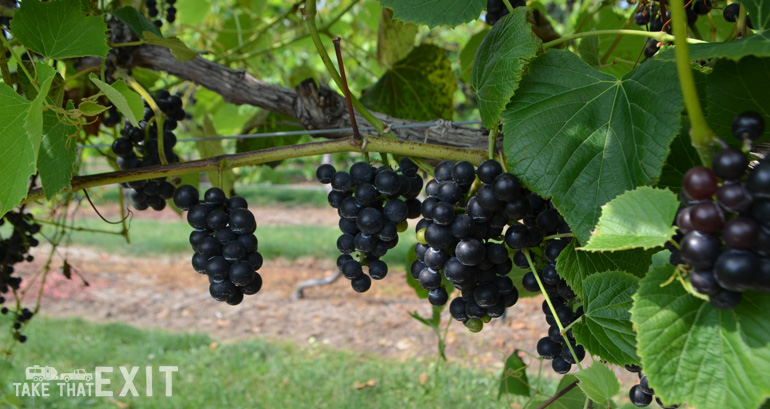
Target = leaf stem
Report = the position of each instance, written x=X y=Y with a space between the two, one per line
x=559 y=394
x=375 y=144
x=701 y=134
x=551 y=307
x=660 y=36
x=127 y=44
x=508 y=5
x=492 y=140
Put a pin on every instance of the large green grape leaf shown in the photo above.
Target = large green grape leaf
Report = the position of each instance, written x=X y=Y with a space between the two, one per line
x=639 y=218
x=757 y=44
x=435 y=12
x=735 y=87
x=419 y=87
x=500 y=62
x=598 y=382
x=57 y=154
x=606 y=328
x=57 y=29
x=17 y=158
x=694 y=352
x=584 y=137
x=574 y=266
x=395 y=39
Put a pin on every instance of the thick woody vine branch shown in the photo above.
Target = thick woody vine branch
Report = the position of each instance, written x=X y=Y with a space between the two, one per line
x=313 y=107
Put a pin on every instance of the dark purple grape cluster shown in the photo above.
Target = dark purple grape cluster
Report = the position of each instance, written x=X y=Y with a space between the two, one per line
x=496 y=10
x=224 y=242
x=641 y=394
x=650 y=16
x=463 y=219
x=138 y=147
x=13 y=250
x=154 y=12
x=724 y=229
x=374 y=205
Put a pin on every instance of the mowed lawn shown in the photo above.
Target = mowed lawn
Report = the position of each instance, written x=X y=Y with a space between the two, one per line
x=253 y=374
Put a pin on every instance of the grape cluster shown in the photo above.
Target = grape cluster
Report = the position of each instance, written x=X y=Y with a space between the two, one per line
x=373 y=205
x=153 y=12
x=13 y=250
x=224 y=242
x=540 y=220
x=138 y=147
x=641 y=394
x=463 y=218
x=724 y=231
x=496 y=10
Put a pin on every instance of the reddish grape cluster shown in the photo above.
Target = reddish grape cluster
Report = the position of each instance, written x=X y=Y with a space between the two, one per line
x=725 y=227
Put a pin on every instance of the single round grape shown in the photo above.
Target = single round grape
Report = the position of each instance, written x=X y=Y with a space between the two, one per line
x=241 y=273
x=560 y=365
x=702 y=7
x=638 y=397
x=486 y=295
x=253 y=287
x=517 y=236
x=553 y=249
x=758 y=182
x=342 y=258
x=456 y=272
x=436 y=259
x=378 y=269
x=365 y=242
x=443 y=171
x=725 y=299
x=735 y=269
x=548 y=220
x=734 y=197
x=122 y=147
x=474 y=325
x=222 y=290
x=388 y=232
x=516 y=208
x=242 y=221
x=700 y=183
x=748 y=125
x=547 y=348
x=477 y=212
x=233 y=251
x=217 y=268
x=217 y=220
x=450 y=192
x=730 y=163
x=256 y=260
x=704 y=282
x=324 y=173
x=529 y=282
x=361 y=172
x=457 y=309
x=199 y=263
x=249 y=242
x=740 y=233
x=520 y=260
x=642 y=17
x=361 y=284
x=684 y=219
x=429 y=279
x=395 y=210
x=463 y=173
x=214 y=197
x=431 y=188
x=346 y=243
x=366 y=194
x=387 y=182
x=489 y=170
x=438 y=236
x=700 y=250
x=210 y=247
x=506 y=186
x=408 y=167
x=438 y=296
x=349 y=208
x=237 y=297
x=549 y=274
x=341 y=181
x=351 y=269
x=706 y=217
x=470 y=252
x=580 y=352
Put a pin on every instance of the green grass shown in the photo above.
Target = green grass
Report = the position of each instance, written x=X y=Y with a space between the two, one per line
x=153 y=237
x=255 y=373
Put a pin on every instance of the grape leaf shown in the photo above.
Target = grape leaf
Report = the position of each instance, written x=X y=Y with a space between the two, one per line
x=181 y=51
x=57 y=29
x=136 y=21
x=435 y=12
x=17 y=158
x=606 y=327
x=128 y=102
x=575 y=266
x=88 y=108
x=57 y=155
x=584 y=137
x=575 y=398
x=419 y=87
x=34 y=121
x=514 y=377
x=640 y=218
x=598 y=382
x=735 y=87
x=395 y=39
x=468 y=54
x=500 y=62
x=589 y=51
x=692 y=351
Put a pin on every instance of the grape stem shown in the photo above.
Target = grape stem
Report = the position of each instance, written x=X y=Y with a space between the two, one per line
x=508 y=5
x=559 y=394
x=660 y=36
x=550 y=306
x=558 y=236
x=338 y=50
x=492 y=140
x=701 y=134
x=231 y=161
